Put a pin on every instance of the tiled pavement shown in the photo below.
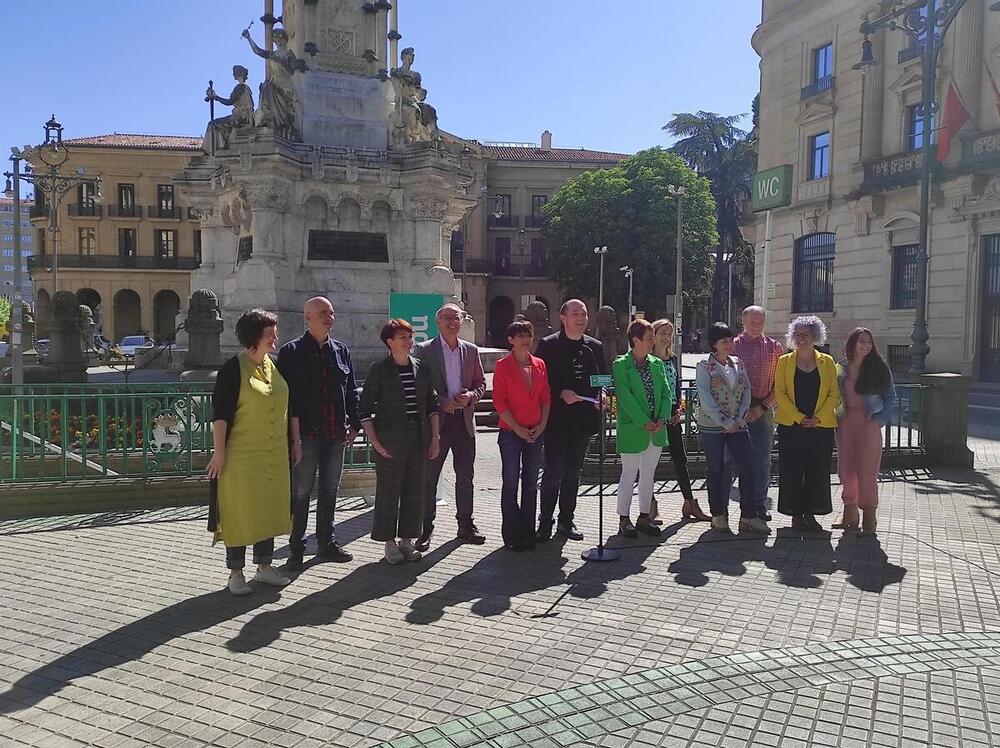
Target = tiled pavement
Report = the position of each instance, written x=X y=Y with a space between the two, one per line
x=116 y=631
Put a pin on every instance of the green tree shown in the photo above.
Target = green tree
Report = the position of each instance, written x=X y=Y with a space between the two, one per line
x=726 y=155
x=628 y=209
x=5 y=310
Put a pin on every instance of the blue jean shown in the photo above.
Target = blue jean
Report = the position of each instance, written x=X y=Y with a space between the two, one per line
x=762 y=441
x=236 y=555
x=716 y=444
x=521 y=462
x=327 y=457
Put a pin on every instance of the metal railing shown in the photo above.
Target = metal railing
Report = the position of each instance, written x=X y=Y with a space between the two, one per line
x=158 y=211
x=84 y=209
x=817 y=87
x=119 y=261
x=902 y=435
x=82 y=432
x=124 y=211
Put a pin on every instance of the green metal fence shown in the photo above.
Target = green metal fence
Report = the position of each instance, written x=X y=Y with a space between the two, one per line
x=92 y=431
x=902 y=435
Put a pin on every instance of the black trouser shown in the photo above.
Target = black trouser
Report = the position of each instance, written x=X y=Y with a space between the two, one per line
x=806 y=456
x=236 y=556
x=565 y=451
x=455 y=438
x=399 y=489
x=675 y=445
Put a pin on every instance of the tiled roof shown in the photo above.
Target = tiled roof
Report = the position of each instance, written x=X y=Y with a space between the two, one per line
x=146 y=142
x=571 y=155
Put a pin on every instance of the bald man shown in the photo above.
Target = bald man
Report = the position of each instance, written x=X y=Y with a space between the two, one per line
x=323 y=419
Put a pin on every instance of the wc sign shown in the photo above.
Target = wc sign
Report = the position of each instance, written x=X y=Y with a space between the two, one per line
x=772 y=188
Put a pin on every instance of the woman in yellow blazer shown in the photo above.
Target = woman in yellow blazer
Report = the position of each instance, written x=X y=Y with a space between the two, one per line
x=808 y=395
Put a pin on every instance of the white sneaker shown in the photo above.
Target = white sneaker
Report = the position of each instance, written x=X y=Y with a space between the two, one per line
x=269 y=575
x=392 y=553
x=755 y=525
x=409 y=552
x=238 y=585
x=721 y=523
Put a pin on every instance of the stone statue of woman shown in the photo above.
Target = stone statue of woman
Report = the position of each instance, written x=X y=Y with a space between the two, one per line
x=278 y=100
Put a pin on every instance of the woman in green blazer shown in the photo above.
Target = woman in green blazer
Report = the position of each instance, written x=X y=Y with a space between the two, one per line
x=645 y=399
x=399 y=412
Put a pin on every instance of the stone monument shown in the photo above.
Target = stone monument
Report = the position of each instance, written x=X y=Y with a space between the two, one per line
x=606 y=330
x=203 y=326
x=341 y=184
x=538 y=315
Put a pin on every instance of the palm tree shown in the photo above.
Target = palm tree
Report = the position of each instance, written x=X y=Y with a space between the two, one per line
x=717 y=149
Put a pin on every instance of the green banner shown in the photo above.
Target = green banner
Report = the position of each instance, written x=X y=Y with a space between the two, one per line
x=771 y=188
x=419 y=309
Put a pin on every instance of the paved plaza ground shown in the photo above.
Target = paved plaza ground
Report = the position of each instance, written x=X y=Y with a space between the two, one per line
x=117 y=631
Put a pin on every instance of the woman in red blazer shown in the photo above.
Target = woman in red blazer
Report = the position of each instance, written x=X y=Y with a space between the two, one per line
x=522 y=398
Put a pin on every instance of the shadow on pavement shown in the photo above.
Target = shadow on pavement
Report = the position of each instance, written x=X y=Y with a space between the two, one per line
x=503 y=575
x=715 y=551
x=866 y=563
x=366 y=583
x=131 y=642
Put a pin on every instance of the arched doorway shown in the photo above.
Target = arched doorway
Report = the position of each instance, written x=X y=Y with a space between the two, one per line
x=90 y=297
x=43 y=313
x=128 y=314
x=501 y=314
x=166 y=306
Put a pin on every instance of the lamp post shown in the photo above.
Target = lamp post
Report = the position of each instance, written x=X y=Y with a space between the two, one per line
x=600 y=288
x=522 y=261
x=926 y=22
x=497 y=214
x=52 y=186
x=678 y=193
x=628 y=274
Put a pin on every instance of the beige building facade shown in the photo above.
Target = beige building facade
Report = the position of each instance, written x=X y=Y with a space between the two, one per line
x=128 y=253
x=504 y=265
x=845 y=248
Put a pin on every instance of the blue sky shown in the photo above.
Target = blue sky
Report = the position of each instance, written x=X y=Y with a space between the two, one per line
x=604 y=74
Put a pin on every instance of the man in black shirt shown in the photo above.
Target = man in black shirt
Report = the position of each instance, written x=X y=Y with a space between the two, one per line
x=570 y=357
x=323 y=419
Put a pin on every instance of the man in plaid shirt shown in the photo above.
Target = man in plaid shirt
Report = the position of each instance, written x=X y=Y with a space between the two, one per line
x=759 y=355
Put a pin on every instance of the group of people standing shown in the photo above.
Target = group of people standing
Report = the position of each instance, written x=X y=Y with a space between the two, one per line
x=748 y=384
x=417 y=405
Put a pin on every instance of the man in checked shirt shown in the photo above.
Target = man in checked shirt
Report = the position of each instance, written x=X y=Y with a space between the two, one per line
x=759 y=355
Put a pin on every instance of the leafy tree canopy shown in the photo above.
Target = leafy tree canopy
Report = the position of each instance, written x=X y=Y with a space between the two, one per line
x=629 y=209
x=5 y=309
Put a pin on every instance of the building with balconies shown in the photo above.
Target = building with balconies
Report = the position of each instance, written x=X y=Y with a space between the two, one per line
x=502 y=259
x=129 y=254
x=846 y=247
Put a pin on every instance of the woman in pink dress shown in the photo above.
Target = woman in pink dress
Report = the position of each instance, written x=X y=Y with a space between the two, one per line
x=868 y=396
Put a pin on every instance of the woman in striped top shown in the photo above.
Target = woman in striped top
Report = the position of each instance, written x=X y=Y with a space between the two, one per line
x=399 y=415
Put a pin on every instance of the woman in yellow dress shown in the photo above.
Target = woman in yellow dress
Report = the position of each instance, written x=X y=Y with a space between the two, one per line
x=251 y=491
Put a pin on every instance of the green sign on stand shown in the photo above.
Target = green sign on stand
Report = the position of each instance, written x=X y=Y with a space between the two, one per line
x=600 y=380
x=771 y=188
x=419 y=309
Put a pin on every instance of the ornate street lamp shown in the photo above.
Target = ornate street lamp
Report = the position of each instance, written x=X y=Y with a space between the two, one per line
x=51 y=185
x=926 y=22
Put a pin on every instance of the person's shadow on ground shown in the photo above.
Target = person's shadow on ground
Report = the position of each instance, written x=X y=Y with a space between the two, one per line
x=866 y=564
x=132 y=642
x=719 y=552
x=800 y=558
x=497 y=579
x=370 y=582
